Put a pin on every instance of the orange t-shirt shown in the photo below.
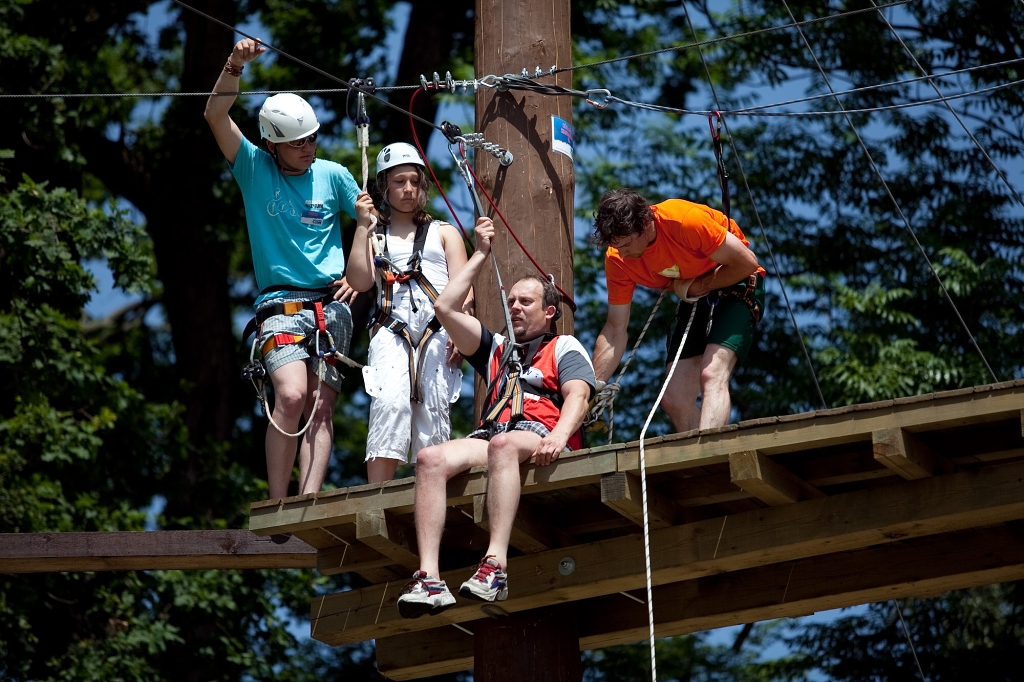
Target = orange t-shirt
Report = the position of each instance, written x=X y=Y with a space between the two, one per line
x=687 y=235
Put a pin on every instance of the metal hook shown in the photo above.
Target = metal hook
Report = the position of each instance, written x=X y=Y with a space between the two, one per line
x=604 y=94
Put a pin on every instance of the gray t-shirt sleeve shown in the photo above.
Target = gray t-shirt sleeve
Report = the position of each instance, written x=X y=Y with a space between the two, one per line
x=574 y=363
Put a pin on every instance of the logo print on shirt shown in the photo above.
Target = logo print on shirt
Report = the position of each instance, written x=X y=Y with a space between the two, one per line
x=672 y=272
x=277 y=206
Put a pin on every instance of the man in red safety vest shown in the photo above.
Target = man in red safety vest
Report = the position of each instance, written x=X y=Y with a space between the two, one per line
x=538 y=390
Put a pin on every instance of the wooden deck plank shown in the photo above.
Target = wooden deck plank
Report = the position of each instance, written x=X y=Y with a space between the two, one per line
x=837 y=523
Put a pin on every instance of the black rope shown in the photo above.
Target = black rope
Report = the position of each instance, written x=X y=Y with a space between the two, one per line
x=757 y=215
x=899 y=211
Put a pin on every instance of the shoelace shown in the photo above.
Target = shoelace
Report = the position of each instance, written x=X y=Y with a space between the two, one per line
x=485 y=570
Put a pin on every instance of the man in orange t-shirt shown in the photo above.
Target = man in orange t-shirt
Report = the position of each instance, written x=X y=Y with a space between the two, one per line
x=707 y=261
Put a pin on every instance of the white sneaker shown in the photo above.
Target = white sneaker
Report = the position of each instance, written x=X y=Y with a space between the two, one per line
x=424 y=594
x=489 y=583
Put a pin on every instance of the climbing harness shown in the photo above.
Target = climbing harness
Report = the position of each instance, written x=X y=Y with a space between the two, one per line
x=256 y=373
x=388 y=274
x=509 y=389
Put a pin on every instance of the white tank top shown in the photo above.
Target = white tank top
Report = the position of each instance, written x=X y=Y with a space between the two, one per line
x=434 y=264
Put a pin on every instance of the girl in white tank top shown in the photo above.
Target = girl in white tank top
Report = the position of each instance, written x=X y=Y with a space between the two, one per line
x=405 y=414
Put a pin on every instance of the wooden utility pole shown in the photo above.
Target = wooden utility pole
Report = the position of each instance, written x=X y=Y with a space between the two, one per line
x=535 y=194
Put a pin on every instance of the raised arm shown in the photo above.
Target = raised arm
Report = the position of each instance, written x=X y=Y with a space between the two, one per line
x=227 y=134
x=465 y=330
x=360 y=272
x=455 y=255
x=611 y=342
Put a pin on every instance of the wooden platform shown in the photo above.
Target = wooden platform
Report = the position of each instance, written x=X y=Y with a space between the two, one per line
x=771 y=517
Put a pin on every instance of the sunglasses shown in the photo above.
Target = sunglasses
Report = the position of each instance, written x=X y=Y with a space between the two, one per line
x=301 y=142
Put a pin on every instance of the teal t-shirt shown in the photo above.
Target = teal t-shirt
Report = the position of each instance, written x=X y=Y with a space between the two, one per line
x=294 y=221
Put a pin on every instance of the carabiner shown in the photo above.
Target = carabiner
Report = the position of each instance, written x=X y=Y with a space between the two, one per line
x=604 y=94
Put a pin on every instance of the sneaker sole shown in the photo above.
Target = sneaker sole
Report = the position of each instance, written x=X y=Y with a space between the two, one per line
x=415 y=609
x=468 y=593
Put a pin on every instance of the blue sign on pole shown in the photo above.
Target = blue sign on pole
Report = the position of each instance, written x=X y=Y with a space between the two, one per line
x=561 y=136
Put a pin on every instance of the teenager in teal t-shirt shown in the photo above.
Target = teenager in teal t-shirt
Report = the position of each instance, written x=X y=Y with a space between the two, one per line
x=293 y=205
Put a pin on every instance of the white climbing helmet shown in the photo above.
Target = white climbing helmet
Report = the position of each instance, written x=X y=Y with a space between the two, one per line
x=287 y=117
x=397 y=154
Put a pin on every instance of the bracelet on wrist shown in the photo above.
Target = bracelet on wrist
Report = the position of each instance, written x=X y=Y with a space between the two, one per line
x=233 y=70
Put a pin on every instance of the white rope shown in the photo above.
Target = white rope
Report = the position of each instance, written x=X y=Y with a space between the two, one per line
x=643 y=490
x=261 y=388
x=363 y=134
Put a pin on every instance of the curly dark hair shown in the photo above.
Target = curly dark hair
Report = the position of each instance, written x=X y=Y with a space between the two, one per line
x=621 y=213
x=421 y=217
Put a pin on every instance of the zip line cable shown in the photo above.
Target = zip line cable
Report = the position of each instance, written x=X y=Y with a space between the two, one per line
x=735 y=36
x=867 y=88
x=757 y=214
x=796 y=114
x=931 y=82
x=892 y=198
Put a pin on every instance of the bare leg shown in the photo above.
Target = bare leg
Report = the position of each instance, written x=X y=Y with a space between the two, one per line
x=318 y=442
x=680 y=401
x=381 y=469
x=716 y=368
x=504 y=454
x=289 y=383
x=434 y=466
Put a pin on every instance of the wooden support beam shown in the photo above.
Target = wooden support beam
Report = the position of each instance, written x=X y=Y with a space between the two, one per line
x=922 y=567
x=358 y=558
x=902 y=452
x=382 y=531
x=622 y=492
x=768 y=481
x=530 y=533
x=832 y=524
x=540 y=645
x=150 y=551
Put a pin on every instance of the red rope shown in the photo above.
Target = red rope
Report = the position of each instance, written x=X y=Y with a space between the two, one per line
x=568 y=298
x=423 y=155
x=416 y=140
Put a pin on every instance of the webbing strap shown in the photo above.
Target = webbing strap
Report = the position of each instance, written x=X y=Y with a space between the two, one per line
x=513 y=392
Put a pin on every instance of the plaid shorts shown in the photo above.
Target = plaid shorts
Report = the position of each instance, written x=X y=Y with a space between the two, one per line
x=483 y=433
x=337 y=319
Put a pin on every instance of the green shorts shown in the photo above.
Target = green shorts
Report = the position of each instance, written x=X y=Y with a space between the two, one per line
x=732 y=323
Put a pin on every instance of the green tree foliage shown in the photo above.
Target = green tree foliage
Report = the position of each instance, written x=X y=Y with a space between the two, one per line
x=101 y=416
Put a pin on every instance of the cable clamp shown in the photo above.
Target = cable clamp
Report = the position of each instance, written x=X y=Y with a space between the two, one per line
x=598 y=98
